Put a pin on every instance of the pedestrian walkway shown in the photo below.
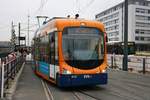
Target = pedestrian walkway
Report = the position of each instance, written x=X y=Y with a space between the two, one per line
x=29 y=86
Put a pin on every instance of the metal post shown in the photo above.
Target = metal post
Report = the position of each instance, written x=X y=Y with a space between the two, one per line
x=13 y=35
x=28 y=28
x=25 y=41
x=112 y=62
x=19 y=33
x=144 y=66
x=125 y=58
x=2 y=80
x=0 y=62
x=7 y=71
x=15 y=67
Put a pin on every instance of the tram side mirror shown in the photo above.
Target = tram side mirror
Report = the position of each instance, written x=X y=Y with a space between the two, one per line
x=37 y=39
x=44 y=22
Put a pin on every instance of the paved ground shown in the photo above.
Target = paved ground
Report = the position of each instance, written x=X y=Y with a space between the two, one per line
x=129 y=86
x=29 y=86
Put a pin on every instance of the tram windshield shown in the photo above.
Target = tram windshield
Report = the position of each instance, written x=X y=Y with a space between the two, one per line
x=83 y=47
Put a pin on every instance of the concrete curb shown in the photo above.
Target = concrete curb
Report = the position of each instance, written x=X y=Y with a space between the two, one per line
x=10 y=92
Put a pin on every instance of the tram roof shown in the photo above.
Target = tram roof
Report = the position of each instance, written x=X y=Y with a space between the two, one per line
x=59 y=23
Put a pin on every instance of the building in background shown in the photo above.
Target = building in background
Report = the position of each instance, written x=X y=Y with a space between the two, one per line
x=138 y=23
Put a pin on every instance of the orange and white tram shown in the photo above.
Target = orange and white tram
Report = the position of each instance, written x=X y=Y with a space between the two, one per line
x=71 y=52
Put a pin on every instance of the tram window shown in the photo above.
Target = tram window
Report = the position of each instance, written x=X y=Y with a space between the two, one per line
x=56 y=48
x=44 y=49
x=36 y=52
x=52 y=48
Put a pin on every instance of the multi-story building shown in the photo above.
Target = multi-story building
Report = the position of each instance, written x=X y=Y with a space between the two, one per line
x=138 y=23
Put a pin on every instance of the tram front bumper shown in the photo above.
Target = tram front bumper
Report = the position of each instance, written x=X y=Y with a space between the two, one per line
x=70 y=80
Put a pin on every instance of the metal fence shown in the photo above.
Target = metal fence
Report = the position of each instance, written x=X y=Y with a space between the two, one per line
x=9 y=67
x=135 y=63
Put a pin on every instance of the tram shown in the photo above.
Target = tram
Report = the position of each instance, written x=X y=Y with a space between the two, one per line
x=71 y=52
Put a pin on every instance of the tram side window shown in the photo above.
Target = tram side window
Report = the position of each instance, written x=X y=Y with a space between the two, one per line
x=56 y=48
x=53 y=48
x=44 y=49
x=36 y=51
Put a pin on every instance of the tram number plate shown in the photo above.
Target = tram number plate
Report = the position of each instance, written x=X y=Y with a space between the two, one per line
x=87 y=76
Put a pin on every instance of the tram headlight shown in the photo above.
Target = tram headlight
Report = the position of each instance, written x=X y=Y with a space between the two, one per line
x=103 y=71
x=65 y=71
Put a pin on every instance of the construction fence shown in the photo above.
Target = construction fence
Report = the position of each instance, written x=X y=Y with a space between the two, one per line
x=139 y=64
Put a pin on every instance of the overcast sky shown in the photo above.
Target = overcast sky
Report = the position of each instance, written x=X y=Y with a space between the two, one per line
x=17 y=11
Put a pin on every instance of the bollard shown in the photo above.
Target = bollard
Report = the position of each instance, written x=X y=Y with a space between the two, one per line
x=7 y=72
x=111 y=61
x=2 y=80
x=144 y=66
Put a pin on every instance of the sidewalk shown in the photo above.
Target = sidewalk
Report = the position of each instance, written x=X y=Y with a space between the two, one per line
x=29 y=86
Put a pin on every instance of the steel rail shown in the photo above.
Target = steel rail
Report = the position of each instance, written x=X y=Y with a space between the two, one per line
x=78 y=97
x=47 y=91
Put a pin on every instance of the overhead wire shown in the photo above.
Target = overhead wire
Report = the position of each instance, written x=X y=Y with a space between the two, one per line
x=81 y=10
x=78 y=6
x=39 y=9
x=85 y=8
x=42 y=4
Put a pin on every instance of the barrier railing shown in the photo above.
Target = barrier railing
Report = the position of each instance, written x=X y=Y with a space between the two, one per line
x=139 y=64
x=9 y=67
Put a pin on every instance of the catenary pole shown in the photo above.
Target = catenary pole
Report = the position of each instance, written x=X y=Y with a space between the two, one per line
x=19 y=33
x=125 y=58
x=28 y=28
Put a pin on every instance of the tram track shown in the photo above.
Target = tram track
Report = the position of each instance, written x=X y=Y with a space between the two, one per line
x=47 y=91
x=76 y=94
x=115 y=92
x=78 y=97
